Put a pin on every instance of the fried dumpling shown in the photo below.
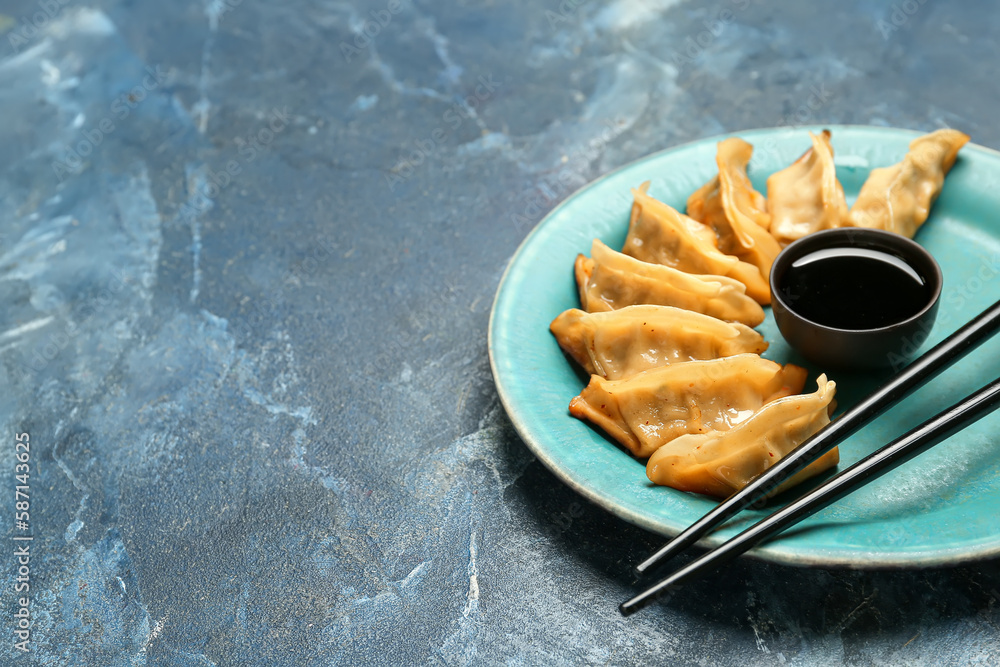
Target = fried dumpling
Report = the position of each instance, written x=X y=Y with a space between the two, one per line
x=609 y=280
x=648 y=410
x=721 y=462
x=660 y=234
x=899 y=198
x=806 y=196
x=620 y=343
x=738 y=213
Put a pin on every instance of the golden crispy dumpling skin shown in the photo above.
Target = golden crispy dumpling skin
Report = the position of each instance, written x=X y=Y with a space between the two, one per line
x=616 y=344
x=899 y=198
x=806 y=197
x=648 y=410
x=609 y=280
x=660 y=234
x=719 y=463
x=738 y=213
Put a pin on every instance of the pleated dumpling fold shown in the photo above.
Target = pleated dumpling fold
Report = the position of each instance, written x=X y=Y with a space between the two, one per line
x=609 y=280
x=660 y=234
x=899 y=198
x=649 y=409
x=616 y=344
x=721 y=462
x=806 y=197
x=729 y=204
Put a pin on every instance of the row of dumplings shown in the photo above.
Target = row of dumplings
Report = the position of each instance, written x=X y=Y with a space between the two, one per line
x=665 y=325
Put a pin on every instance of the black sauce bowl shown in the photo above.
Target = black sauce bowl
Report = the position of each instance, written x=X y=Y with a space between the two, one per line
x=856 y=349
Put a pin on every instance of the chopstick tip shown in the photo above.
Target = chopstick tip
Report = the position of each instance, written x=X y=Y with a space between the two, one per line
x=663 y=591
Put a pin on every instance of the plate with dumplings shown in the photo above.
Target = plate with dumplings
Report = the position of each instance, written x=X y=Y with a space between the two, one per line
x=633 y=347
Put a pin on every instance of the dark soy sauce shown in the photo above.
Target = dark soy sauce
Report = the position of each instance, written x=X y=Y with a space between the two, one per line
x=854 y=288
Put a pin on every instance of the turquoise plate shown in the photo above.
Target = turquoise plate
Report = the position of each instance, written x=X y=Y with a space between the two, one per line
x=940 y=508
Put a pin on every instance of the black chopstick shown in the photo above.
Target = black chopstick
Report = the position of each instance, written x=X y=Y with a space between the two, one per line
x=944 y=354
x=901 y=450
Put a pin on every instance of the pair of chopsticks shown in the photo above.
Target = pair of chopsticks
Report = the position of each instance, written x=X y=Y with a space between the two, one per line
x=938 y=428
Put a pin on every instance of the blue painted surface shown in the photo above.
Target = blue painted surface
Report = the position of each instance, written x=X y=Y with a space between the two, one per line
x=263 y=425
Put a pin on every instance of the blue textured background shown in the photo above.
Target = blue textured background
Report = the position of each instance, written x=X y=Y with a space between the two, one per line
x=264 y=428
